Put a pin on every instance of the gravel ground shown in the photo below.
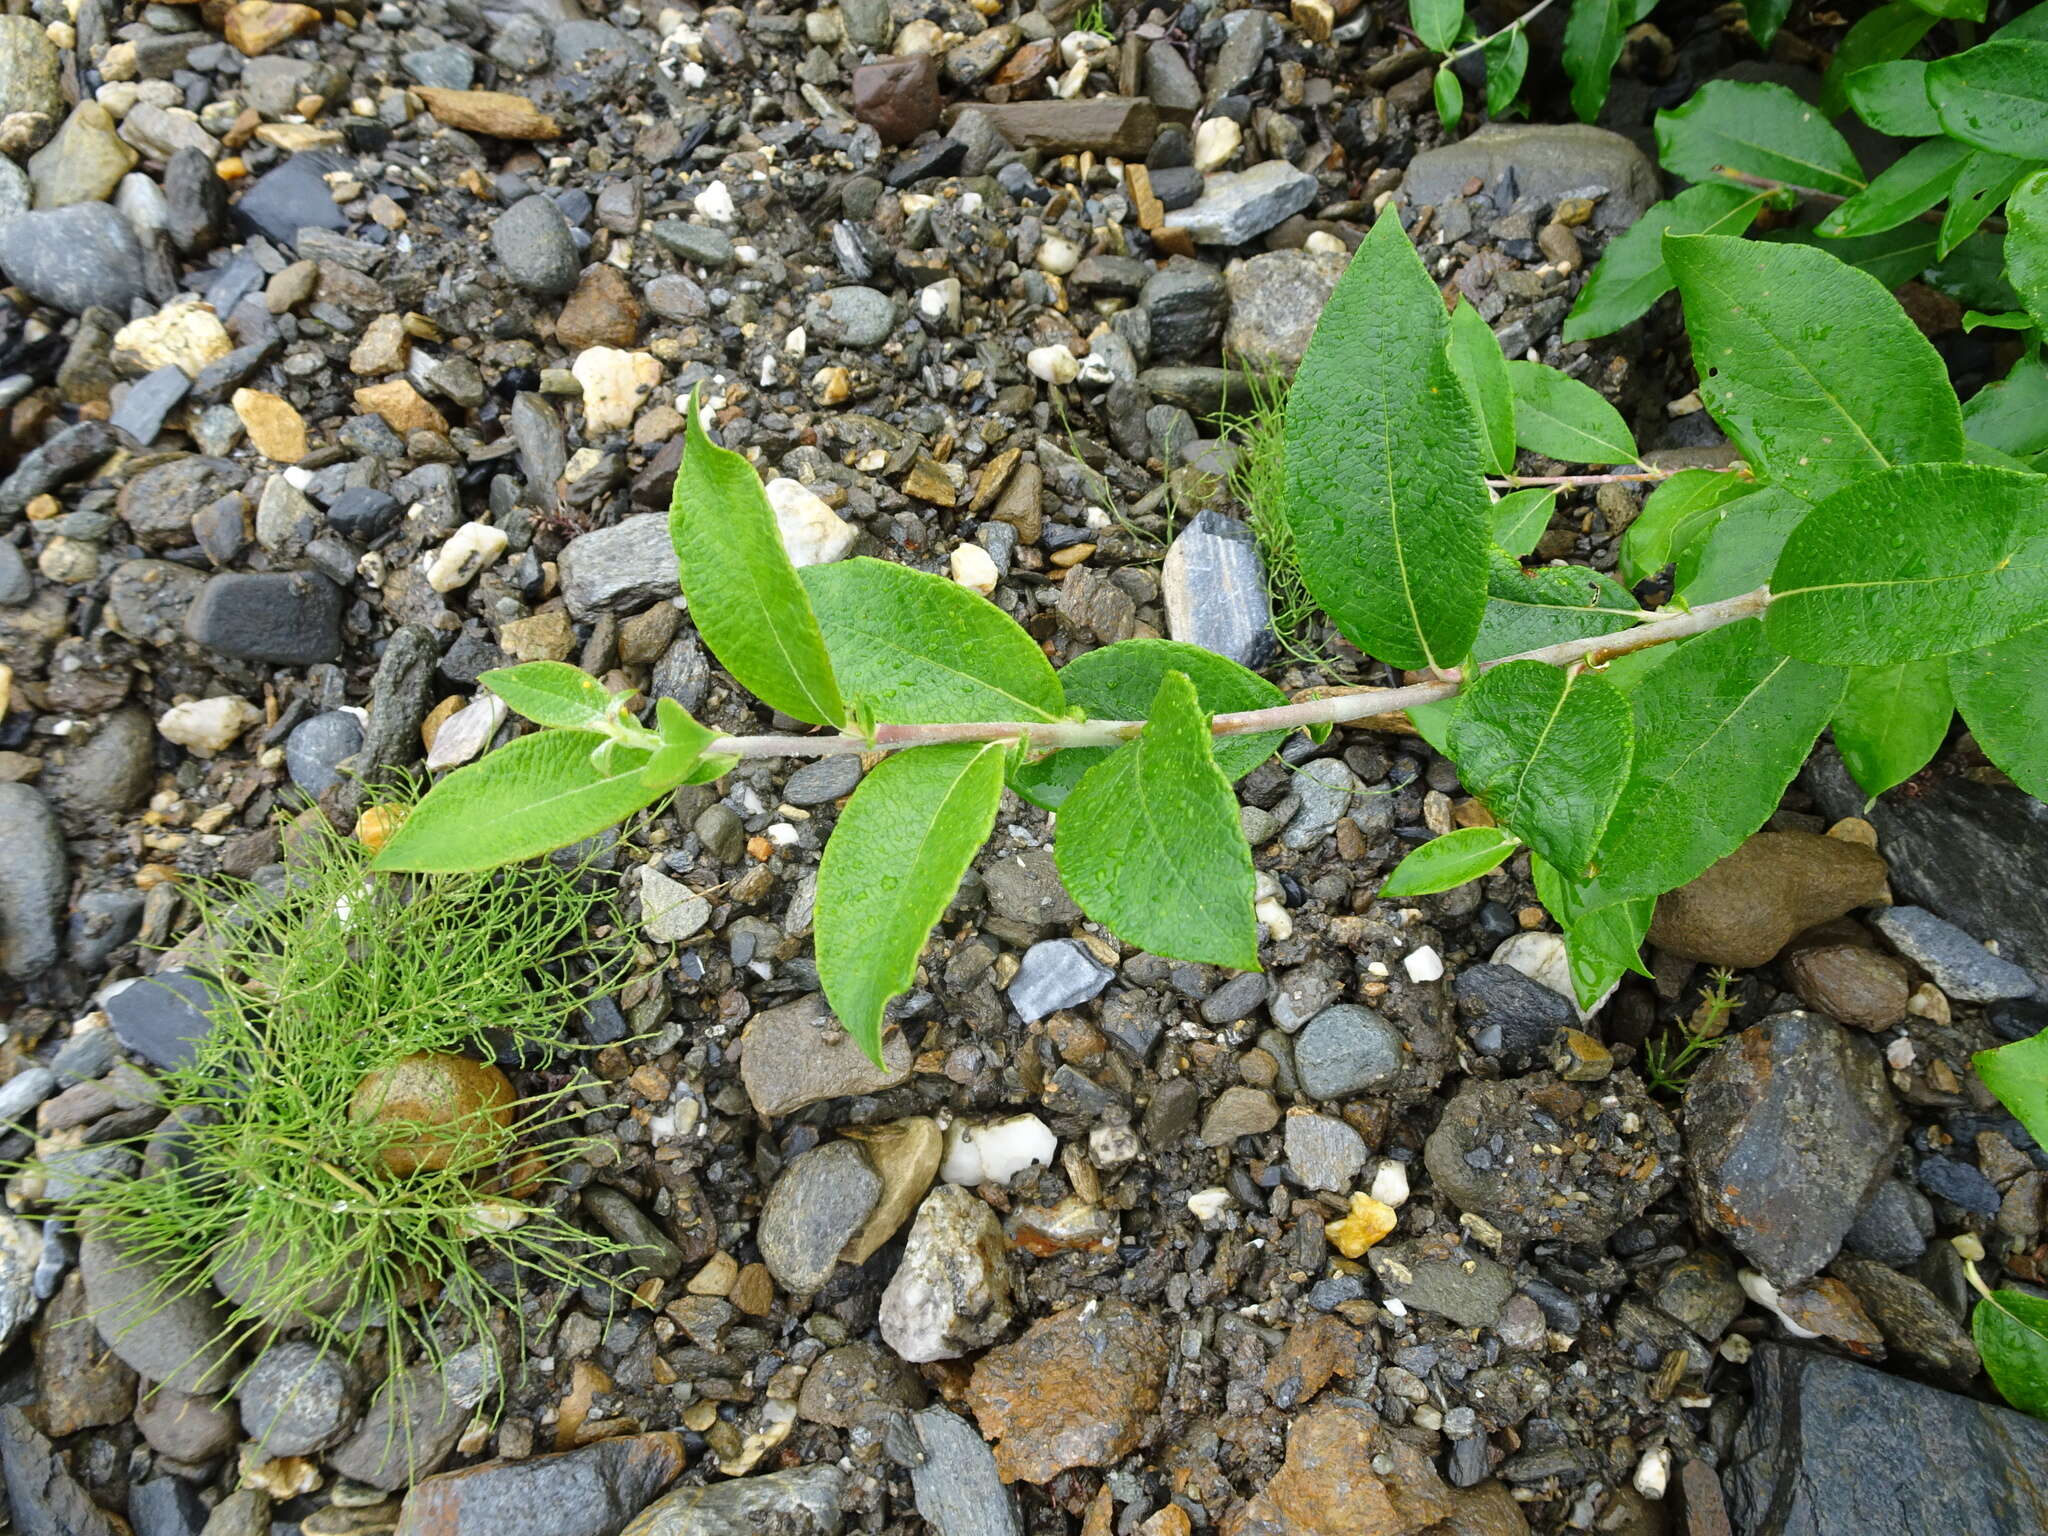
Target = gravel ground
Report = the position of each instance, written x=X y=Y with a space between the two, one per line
x=343 y=360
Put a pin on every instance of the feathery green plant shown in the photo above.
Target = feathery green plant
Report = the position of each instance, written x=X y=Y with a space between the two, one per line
x=271 y=1186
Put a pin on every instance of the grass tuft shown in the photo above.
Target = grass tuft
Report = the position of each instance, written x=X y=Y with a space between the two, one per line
x=314 y=1219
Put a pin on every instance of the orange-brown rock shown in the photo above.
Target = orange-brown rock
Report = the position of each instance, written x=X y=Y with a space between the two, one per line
x=1074 y=1391
x=435 y=1104
x=402 y=406
x=1328 y=1487
x=498 y=113
x=257 y=26
x=1316 y=1350
x=1747 y=907
x=602 y=312
x=274 y=427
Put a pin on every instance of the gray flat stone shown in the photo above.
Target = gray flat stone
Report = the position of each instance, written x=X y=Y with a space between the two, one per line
x=1548 y=161
x=1214 y=586
x=1236 y=206
x=1960 y=966
x=621 y=569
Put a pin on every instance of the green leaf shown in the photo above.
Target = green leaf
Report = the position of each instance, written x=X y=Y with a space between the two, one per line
x=683 y=742
x=1119 y=682
x=1965 y=10
x=1520 y=518
x=2026 y=245
x=1721 y=728
x=1994 y=96
x=1759 y=130
x=1559 y=417
x=1436 y=22
x=1673 y=516
x=1507 y=61
x=921 y=650
x=1737 y=554
x=1548 y=753
x=1444 y=863
x=550 y=693
x=1922 y=560
x=1892 y=721
x=1973 y=274
x=1765 y=17
x=1982 y=183
x=1592 y=46
x=1450 y=99
x=893 y=862
x=1149 y=843
x=1384 y=484
x=1527 y=610
x=530 y=797
x=1892 y=98
x=1917 y=182
x=1602 y=944
x=1476 y=355
x=1998 y=689
x=1632 y=275
x=2011 y=415
x=744 y=596
x=1810 y=367
x=2011 y=1332
x=1887 y=33
x=1974 y=320
x=2018 y=1074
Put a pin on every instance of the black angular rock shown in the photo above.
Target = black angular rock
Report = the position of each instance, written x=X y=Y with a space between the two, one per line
x=1789 y=1129
x=290 y=618
x=1971 y=852
x=148 y=401
x=162 y=1018
x=43 y=1497
x=166 y=1506
x=293 y=197
x=1510 y=1016
x=73 y=258
x=1832 y=1448
x=363 y=513
x=59 y=461
x=198 y=199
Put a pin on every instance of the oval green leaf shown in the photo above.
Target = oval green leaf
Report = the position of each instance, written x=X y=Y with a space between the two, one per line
x=1891 y=722
x=1507 y=61
x=1918 y=181
x=1527 y=610
x=1674 y=515
x=890 y=867
x=530 y=797
x=1559 y=417
x=1150 y=847
x=1923 y=560
x=1592 y=46
x=1982 y=184
x=1385 y=491
x=1810 y=366
x=1759 y=130
x=1548 y=753
x=2011 y=1332
x=550 y=693
x=1737 y=552
x=1632 y=275
x=1436 y=22
x=1721 y=728
x=1450 y=99
x=2018 y=1074
x=1476 y=355
x=1887 y=33
x=2026 y=246
x=1520 y=519
x=915 y=649
x=1892 y=98
x=1999 y=691
x=1995 y=96
x=1119 y=682
x=1444 y=863
x=745 y=600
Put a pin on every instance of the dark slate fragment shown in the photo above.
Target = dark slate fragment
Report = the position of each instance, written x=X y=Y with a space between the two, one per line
x=1832 y=1448
x=288 y=618
x=162 y=1018
x=292 y=197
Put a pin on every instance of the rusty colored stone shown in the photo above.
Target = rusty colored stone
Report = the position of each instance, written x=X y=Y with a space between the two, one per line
x=404 y=408
x=1074 y=1391
x=498 y=113
x=898 y=97
x=445 y=1100
x=602 y=312
x=256 y=26
x=1316 y=1350
x=1742 y=910
x=1024 y=69
x=1110 y=125
x=1327 y=1486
